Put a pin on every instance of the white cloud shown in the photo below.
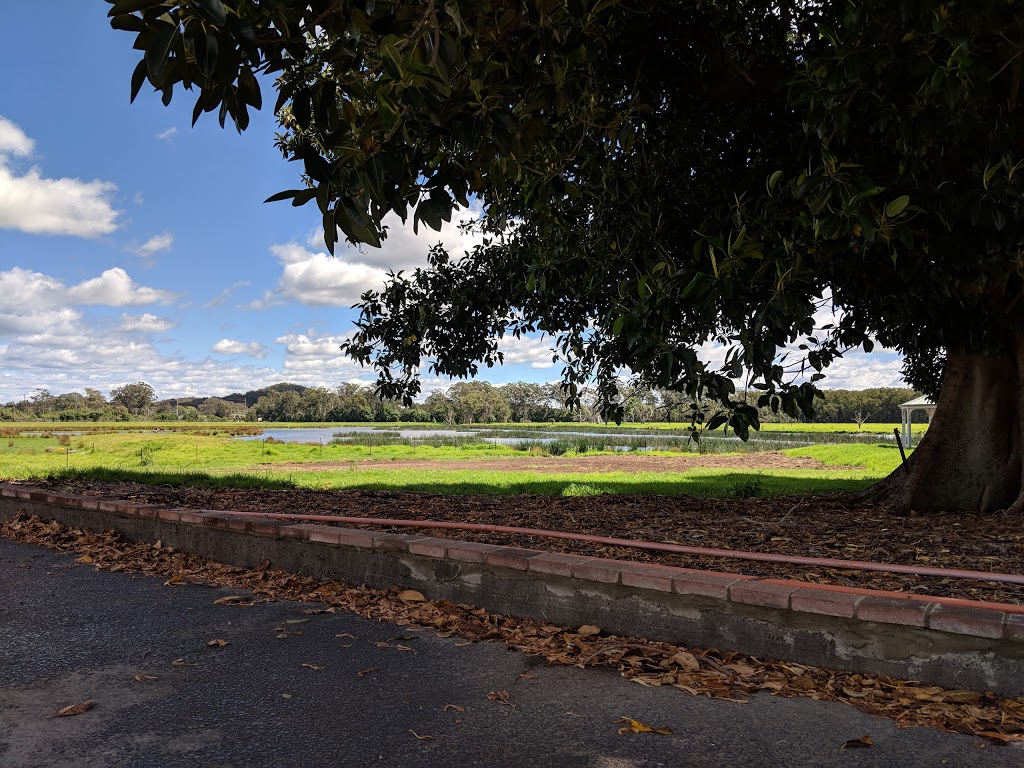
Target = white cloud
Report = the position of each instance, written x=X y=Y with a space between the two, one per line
x=32 y=203
x=536 y=352
x=316 y=278
x=168 y=134
x=224 y=295
x=233 y=347
x=13 y=140
x=114 y=288
x=145 y=323
x=154 y=245
x=25 y=293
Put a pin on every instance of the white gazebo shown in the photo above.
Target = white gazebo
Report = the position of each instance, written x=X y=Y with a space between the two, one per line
x=917 y=404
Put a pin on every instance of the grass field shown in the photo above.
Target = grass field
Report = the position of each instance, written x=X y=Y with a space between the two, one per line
x=217 y=459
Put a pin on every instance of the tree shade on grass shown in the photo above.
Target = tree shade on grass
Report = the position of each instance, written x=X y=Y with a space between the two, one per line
x=657 y=176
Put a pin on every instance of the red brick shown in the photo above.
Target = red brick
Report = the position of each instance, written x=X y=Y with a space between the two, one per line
x=119 y=506
x=170 y=515
x=645 y=576
x=264 y=527
x=58 y=499
x=392 y=542
x=967 y=621
x=191 y=516
x=8 y=491
x=553 y=564
x=300 y=531
x=894 y=610
x=469 y=551
x=37 y=495
x=763 y=593
x=825 y=601
x=511 y=557
x=354 y=538
x=214 y=519
x=706 y=584
x=599 y=569
x=25 y=494
x=326 y=535
x=90 y=502
x=1014 y=627
x=243 y=524
x=429 y=547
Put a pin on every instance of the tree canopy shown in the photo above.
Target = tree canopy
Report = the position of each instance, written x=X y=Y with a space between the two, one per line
x=654 y=178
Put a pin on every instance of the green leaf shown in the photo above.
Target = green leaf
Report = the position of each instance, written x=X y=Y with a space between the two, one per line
x=897 y=206
x=131 y=6
x=212 y=10
x=159 y=51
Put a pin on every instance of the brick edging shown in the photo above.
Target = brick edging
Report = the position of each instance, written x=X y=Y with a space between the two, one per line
x=985 y=620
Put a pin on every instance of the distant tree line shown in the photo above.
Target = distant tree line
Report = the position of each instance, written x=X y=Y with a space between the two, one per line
x=464 y=402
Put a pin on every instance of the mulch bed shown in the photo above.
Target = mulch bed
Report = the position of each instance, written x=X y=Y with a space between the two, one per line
x=832 y=526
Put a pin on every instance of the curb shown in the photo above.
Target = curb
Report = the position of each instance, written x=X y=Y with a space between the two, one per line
x=951 y=642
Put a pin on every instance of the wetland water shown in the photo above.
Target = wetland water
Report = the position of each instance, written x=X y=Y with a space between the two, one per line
x=563 y=439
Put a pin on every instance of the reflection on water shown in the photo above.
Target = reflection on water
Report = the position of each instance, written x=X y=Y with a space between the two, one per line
x=561 y=441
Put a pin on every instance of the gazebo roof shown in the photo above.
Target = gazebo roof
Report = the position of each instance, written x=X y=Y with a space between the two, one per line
x=918 y=402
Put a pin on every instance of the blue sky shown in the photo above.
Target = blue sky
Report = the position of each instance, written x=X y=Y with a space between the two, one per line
x=136 y=248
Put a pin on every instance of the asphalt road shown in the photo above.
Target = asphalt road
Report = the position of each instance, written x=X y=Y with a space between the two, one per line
x=69 y=633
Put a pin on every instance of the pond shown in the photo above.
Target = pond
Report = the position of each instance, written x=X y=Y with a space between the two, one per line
x=581 y=440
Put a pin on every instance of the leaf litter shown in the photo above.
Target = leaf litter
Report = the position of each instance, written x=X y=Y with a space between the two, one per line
x=697 y=671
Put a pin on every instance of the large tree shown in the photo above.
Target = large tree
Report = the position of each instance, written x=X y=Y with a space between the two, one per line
x=657 y=177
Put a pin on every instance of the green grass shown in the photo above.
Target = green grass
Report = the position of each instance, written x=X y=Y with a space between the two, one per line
x=879 y=460
x=202 y=460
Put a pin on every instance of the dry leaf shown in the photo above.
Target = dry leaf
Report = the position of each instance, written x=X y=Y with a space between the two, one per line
x=84 y=560
x=145 y=678
x=527 y=677
x=312 y=666
x=74 y=709
x=687 y=661
x=364 y=672
x=421 y=738
x=174 y=580
x=346 y=634
x=635 y=726
x=498 y=697
x=217 y=643
x=411 y=596
x=183 y=663
x=588 y=630
x=296 y=621
x=861 y=743
x=456 y=707
x=232 y=599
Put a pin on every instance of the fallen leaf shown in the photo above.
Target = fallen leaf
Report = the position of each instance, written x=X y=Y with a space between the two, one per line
x=635 y=726
x=588 y=630
x=686 y=660
x=282 y=635
x=296 y=621
x=527 y=677
x=383 y=645
x=498 y=697
x=84 y=560
x=405 y=648
x=231 y=599
x=855 y=694
x=421 y=738
x=217 y=643
x=364 y=672
x=145 y=678
x=74 y=709
x=312 y=666
x=411 y=596
x=861 y=743
x=456 y=707
x=174 y=580
x=183 y=663
x=346 y=634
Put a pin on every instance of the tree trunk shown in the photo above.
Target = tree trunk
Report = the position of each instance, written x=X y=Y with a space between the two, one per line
x=971 y=458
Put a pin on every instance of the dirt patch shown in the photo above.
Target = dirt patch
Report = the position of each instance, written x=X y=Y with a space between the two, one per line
x=832 y=526
x=629 y=463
